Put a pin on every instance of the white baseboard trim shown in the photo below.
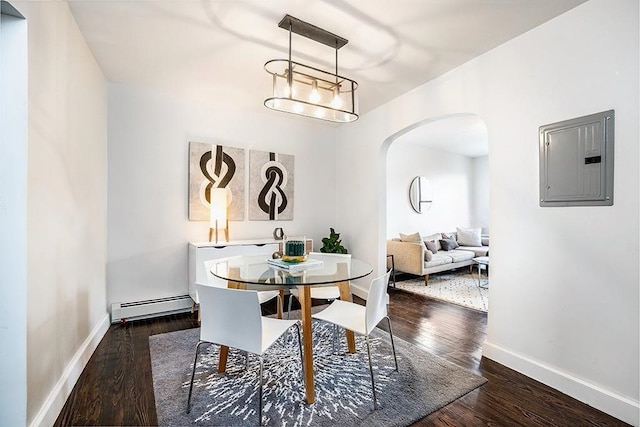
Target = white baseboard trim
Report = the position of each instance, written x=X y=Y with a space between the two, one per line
x=607 y=401
x=54 y=403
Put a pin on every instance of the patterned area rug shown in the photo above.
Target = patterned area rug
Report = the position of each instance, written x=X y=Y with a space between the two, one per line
x=423 y=384
x=456 y=287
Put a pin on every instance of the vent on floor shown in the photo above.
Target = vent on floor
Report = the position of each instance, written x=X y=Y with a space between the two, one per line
x=125 y=311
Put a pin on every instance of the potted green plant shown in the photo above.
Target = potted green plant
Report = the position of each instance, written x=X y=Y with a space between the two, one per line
x=332 y=244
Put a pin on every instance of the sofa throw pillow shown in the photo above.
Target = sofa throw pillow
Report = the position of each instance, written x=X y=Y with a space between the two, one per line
x=431 y=246
x=434 y=238
x=412 y=238
x=448 y=244
x=450 y=236
x=469 y=236
x=428 y=255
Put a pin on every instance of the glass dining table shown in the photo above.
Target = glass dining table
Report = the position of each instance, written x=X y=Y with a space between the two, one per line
x=254 y=272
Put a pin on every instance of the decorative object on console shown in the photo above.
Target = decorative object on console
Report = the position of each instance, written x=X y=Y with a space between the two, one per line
x=308 y=91
x=278 y=233
x=218 y=213
x=294 y=249
x=271 y=181
x=215 y=166
x=420 y=194
x=333 y=244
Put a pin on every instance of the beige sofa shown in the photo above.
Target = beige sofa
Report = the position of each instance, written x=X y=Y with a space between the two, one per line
x=412 y=258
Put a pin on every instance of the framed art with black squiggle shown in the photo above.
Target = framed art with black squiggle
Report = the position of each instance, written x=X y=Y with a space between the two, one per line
x=271 y=183
x=212 y=165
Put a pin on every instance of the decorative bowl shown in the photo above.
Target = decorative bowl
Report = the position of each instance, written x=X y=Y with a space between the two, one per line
x=294 y=259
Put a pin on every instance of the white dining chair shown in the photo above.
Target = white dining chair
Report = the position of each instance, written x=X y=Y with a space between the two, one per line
x=321 y=292
x=363 y=319
x=263 y=296
x=232 y=317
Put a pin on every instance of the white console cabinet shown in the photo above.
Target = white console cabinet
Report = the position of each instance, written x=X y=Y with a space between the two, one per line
x=199 y=252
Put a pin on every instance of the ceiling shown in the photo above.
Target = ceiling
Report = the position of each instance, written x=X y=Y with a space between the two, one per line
x=214 y=51
x=464 y=134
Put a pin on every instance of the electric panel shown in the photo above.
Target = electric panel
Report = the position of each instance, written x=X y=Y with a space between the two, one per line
x=576 y=161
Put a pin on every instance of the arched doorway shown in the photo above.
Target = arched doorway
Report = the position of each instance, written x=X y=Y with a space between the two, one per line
x=451 y=154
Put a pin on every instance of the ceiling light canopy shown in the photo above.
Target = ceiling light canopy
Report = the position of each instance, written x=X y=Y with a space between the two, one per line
x=308 y=91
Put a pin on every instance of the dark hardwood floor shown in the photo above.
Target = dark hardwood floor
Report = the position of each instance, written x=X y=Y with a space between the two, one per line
x=116 y=386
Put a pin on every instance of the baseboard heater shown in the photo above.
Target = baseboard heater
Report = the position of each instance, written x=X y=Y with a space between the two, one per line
x=126 y=311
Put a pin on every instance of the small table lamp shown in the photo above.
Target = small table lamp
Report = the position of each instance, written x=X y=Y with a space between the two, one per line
x=218 y=213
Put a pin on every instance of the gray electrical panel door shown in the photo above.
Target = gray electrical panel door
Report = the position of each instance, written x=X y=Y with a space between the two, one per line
x=576 y=161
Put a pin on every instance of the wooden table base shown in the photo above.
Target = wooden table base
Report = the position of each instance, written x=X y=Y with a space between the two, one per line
x=307 y=339
x=307 y=344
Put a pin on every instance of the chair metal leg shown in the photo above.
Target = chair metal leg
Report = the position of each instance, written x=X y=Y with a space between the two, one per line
x=193 y=372
x=260 y=393
x=289 y=309
x=373 y=384
x=393 y=346
x=335 y=338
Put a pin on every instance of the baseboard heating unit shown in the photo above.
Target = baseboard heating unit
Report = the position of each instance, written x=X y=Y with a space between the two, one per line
x=126 y=311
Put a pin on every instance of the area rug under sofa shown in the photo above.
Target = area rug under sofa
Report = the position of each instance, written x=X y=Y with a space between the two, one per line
x=456 y=287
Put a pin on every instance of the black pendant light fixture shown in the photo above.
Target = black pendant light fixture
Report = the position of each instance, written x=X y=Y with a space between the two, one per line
x=308 y=91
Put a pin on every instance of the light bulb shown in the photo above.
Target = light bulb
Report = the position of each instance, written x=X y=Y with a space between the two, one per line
x=289 y=91
x=336 y=102
x=314 y=96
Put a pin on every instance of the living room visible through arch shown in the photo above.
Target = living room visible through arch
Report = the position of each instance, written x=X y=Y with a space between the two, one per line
x=450 y=153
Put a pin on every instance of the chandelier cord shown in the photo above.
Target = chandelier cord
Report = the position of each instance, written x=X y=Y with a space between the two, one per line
x=336 y=63
x=290 y=75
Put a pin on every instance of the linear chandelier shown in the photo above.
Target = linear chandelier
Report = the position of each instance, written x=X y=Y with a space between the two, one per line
x=308 y=91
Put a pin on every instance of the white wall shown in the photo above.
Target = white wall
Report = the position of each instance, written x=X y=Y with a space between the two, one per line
x=67 y=154
x=451 y=177
x=564 y=301
x=149 y=134
x=13 y=221
x=480 y=193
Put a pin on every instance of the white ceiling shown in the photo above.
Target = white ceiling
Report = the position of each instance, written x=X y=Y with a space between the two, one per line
x=464 y=134
x=215 y=50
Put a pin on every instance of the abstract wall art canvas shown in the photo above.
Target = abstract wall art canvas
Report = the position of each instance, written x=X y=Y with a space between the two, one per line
x=271 y=180
x=210 y=166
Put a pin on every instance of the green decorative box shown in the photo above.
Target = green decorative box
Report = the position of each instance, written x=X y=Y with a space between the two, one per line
x=294 y=249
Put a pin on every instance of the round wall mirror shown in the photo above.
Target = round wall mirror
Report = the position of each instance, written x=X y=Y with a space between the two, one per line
x=420 y=194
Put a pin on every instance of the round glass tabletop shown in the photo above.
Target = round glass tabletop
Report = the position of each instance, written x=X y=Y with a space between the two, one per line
x=258 y=270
